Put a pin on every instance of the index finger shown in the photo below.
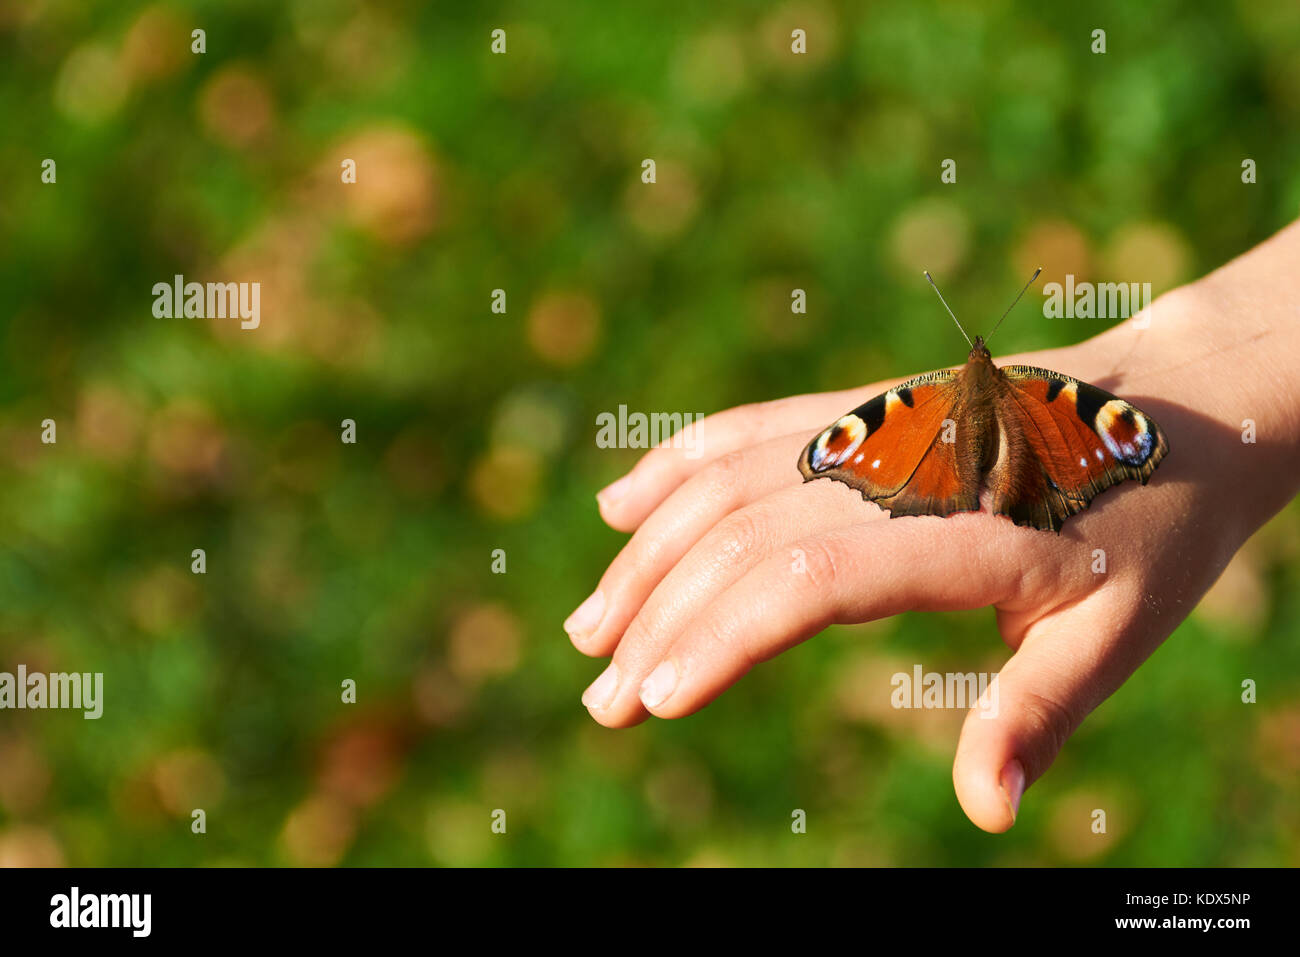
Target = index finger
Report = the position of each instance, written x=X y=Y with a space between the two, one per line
x=626 y=503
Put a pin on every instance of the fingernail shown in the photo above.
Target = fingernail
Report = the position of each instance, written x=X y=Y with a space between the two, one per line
x=587 y=616
x=1011 y=782
x=656 y=688
x=601 y=692
x=612 y=493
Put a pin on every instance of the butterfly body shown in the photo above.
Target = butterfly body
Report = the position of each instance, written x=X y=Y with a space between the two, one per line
x=1044 y=444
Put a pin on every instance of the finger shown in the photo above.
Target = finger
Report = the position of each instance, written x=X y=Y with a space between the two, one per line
x=738 y=543
x=626 y=503
x=1067 y=664
x=857 y=574
x=729 y=483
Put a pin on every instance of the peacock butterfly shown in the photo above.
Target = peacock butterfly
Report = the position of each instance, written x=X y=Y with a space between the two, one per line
x=1045 y=443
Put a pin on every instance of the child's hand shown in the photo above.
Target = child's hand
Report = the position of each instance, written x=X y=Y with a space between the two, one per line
x=734 y=559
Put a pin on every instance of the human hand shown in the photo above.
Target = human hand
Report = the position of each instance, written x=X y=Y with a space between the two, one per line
x=734 y=559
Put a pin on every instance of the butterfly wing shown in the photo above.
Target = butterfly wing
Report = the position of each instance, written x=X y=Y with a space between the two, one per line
x=902 y=449
x=1062 y=442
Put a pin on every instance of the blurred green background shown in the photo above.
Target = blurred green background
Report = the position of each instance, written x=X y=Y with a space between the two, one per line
x=476 y=431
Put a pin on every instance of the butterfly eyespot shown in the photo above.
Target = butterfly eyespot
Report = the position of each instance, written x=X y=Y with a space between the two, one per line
x=834 y=446
x=1126 y=433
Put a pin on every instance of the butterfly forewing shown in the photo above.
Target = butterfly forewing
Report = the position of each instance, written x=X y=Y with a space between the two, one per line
x=899 y=449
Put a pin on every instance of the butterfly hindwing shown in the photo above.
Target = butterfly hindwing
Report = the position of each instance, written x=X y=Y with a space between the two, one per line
x=1065 y=442
x=900 y=449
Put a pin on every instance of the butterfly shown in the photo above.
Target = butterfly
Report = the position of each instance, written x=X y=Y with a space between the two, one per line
x=1045 y=444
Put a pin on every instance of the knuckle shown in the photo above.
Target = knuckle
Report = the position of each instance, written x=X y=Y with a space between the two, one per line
x=712 y=635
x=723 y=477
x=638 y=641
x=760 y=414
x=637 y=631
x=711 y=428
x=642 y=551
x=715 y=423
x=822 y=566
x=740 y=533
x=750 y=412
x=1053 y=721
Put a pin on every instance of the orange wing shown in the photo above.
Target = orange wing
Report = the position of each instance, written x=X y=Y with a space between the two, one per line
x=1066 y=442
x=900 y=450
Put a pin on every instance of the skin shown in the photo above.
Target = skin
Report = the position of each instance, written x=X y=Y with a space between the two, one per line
x=705 y=588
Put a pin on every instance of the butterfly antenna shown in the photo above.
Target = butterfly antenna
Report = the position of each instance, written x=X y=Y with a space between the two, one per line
x=946 y=306
x=1013 y=305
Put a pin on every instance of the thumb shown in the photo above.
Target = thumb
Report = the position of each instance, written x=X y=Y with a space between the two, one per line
x=1067 y=664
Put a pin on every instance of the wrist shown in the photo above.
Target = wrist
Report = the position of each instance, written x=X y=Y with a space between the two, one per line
x=1225 y=351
